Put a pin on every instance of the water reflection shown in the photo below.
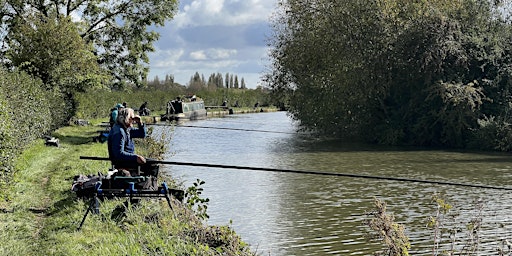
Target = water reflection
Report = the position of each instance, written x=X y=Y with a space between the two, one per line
x=297 y=214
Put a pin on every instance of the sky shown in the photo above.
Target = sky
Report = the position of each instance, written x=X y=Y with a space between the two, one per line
x=214 y=36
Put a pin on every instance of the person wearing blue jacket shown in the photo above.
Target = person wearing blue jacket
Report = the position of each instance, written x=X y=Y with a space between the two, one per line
x=121 y=148
x=113 y=114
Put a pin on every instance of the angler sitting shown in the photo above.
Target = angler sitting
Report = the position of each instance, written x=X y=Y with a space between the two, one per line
x=121 y=148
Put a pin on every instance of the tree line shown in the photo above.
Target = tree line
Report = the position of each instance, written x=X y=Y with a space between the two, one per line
x=398 y=72
x=198 y=82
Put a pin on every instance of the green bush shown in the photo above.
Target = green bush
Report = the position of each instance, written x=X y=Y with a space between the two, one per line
x=493 y=134
x=28 y=105
x=26 y=115
x=245 y=98
x=7 y=142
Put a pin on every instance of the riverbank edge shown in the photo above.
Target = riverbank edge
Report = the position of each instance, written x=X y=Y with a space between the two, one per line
x=41 y=215
x=156 y=117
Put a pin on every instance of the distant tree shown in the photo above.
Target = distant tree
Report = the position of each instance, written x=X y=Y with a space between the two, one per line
x=117 y=30
x=212 y=83
x=236 y=82
x=231 y=81
x=227 y=80
x=219 y=80
x=196 y=82
x=242 y=84
x=169 y=80
x=156 y=80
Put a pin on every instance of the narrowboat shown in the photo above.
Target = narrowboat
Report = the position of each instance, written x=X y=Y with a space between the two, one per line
x=184 y=109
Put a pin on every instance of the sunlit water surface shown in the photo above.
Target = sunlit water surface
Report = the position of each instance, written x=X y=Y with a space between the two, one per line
x=303 y=214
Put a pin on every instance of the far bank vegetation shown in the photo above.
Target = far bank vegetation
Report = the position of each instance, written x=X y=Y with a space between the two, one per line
x=398 y=72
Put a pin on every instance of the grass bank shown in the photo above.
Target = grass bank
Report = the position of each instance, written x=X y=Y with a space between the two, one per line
x=41 y=215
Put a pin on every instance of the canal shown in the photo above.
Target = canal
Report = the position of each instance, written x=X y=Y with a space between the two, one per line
x=306 y=214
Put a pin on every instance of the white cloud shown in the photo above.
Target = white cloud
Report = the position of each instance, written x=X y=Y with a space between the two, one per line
x=222 y=53
x=214 y=36
x=198 y=55
x=223 y=12
x=166 y=58
x=213 y=54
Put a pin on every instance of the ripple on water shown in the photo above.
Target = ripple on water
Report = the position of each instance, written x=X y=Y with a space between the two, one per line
x=295 y=214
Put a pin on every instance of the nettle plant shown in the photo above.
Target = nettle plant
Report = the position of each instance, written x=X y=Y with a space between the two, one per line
x=194 y=200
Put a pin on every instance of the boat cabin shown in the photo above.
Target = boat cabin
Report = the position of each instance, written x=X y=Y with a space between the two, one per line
x=188 y=109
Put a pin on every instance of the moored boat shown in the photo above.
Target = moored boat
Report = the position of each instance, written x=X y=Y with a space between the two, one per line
x=184 y=109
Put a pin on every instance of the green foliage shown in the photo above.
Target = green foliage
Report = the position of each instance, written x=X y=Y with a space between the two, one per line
x=448 y=237
x=25 y=111
x=195 y=202
x=50 y=48
x=97 y=103
x=493 y=134
x=28 y=112
x=393 y=71
x=383 y=227
x=29 y=107
x=245 y=97
x=452 y=233
x=151 y=147
x=7 y=144
x=117 y=30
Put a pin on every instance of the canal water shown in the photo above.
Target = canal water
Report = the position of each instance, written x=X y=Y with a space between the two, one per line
x=305 y=214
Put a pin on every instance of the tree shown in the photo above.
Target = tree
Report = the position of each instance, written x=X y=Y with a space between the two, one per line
x=169 y=81
x=242 y=84
x=156 y=81
x=320 y=52
x=394 y=71
x=196 y=82
x=212 y=83
x=50 y=48
x=118 y=30
x=227 y=80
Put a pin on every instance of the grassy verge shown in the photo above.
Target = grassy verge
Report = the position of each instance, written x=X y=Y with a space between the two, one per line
x=42 y=215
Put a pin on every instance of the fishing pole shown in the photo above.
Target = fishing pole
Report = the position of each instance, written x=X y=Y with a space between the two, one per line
x=224 y=128
x=312 y=172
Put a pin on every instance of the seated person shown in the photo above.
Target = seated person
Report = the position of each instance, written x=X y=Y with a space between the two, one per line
x=143 y=110
x=121 y=148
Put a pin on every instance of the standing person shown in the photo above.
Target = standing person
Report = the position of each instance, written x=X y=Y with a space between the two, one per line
x=113 y=114
x=121 y=148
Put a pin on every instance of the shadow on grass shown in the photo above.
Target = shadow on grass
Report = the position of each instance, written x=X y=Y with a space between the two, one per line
x=78 y=136
x=63 y=205
x=78 y=140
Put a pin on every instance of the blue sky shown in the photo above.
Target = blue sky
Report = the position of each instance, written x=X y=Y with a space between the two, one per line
x=214 y=36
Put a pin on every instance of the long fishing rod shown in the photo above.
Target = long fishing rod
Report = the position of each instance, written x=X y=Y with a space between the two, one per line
x=223 y=128
x=313 y=173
